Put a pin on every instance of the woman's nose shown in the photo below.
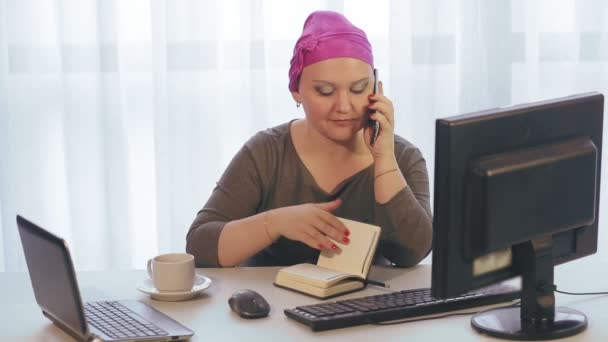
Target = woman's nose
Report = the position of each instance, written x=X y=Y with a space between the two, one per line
x=343 y=103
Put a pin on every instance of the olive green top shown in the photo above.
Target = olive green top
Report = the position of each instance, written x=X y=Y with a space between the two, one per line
x=267 y=173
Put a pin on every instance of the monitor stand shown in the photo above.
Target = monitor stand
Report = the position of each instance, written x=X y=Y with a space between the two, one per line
x=536 y=318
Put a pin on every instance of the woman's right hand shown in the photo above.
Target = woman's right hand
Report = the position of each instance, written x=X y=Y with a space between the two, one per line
x=311 y=223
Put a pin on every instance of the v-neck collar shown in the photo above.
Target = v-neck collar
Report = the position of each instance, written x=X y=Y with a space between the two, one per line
x=308 y=175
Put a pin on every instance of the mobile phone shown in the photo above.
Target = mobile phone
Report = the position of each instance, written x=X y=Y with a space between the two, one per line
x=374 y=125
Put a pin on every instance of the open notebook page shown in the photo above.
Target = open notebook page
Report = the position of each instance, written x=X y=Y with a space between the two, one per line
x=357 y=256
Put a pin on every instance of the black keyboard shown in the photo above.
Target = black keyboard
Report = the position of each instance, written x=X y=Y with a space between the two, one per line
x=394 y=305
x=118 y=321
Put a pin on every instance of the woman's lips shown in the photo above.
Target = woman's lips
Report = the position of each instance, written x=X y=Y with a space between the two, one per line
x=344 y=122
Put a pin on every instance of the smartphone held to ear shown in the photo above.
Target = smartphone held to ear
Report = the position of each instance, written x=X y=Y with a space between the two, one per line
x=373 y=124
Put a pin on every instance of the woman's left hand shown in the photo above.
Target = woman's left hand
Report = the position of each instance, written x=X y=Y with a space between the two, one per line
x=385 y=114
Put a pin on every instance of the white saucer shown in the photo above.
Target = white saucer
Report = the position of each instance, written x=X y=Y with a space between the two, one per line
x=200 y=284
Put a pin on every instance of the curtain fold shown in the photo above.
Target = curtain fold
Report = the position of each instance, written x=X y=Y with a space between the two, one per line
x=118 y=117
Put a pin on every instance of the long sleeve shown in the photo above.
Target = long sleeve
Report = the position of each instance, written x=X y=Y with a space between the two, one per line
x=407 y=219
x=236 y=195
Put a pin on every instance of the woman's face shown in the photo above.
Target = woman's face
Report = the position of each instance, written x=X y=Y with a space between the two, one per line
x=334 y=96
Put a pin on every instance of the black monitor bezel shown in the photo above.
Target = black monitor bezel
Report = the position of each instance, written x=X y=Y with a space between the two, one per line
x=460 y=139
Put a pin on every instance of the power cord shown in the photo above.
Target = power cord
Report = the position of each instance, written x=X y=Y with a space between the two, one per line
x=581 y=293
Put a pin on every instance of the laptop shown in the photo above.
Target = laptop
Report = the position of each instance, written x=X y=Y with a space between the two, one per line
x=56 y=289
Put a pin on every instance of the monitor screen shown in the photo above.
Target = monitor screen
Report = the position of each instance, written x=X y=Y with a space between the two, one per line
x=512 y=183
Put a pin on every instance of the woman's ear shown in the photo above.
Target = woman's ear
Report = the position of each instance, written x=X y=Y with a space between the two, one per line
x=296 y=96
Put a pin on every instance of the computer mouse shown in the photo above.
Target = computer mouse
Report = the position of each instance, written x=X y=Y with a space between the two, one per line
x=249 y=304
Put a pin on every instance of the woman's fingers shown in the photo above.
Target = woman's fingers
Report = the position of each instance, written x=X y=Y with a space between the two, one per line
x=329 y=225
x=333 y=228
x=312 y=242
x=385 y=107
x=316 y=226
x=383 y=120
x=320 y=241
x=324 y=233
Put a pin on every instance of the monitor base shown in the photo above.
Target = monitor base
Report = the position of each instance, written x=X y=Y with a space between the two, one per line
x=507 y=323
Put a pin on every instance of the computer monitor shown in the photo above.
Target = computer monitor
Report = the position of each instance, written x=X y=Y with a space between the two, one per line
x=517 y=192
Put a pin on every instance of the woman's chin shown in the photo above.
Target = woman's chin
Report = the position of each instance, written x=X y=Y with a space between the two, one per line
x=342 y=136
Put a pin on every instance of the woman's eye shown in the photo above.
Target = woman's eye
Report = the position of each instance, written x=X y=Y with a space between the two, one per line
x=325 y=92
x=359 y=87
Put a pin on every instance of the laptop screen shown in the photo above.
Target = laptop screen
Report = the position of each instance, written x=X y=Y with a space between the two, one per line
x=52 y=275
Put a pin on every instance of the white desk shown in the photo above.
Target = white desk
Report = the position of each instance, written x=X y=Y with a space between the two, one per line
x=211 y=319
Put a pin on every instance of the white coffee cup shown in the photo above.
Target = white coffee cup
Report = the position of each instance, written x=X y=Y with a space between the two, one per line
x=172 y=272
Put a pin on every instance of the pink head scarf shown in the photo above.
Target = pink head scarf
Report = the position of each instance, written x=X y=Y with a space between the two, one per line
x=326 y=35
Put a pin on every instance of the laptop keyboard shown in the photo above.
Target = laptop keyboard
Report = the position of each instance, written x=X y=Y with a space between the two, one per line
x=117 y=321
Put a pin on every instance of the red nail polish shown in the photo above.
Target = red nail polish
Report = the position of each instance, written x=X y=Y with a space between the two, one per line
x=370 y=105
x=346 y=240
x=334 y=247
x=321 y=246
x=347 y=232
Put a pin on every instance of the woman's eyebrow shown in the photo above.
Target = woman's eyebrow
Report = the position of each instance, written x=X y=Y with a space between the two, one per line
x=353 y=83
x=361 y=80
x=324 y=82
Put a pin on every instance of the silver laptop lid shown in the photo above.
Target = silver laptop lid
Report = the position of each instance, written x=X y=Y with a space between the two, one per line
x=53 y=278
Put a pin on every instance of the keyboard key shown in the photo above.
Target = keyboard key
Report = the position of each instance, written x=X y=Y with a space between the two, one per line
x=117 y=321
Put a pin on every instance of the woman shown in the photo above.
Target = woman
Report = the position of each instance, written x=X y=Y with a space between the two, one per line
x=278 y=201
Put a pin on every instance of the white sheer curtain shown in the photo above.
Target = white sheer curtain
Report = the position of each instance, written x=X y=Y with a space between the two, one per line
x=118 y=116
